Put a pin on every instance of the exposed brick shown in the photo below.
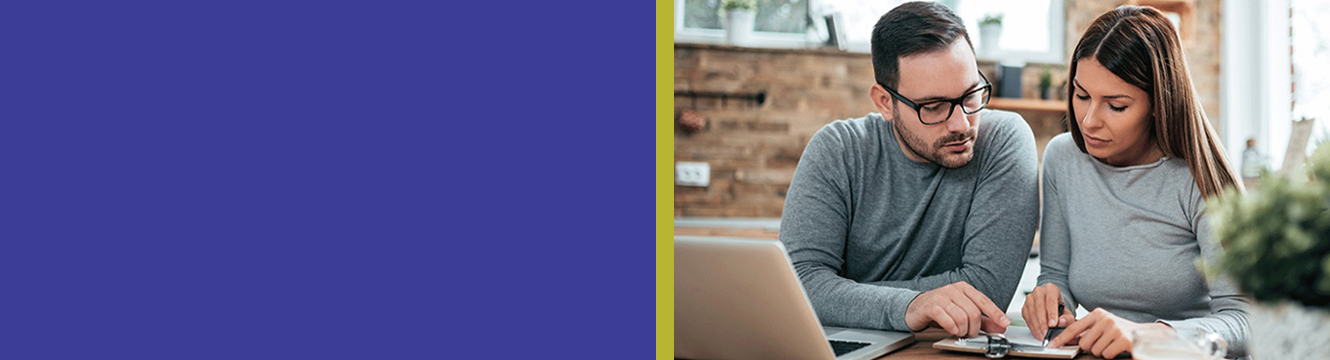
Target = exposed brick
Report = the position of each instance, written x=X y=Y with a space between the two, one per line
x=699 y=211
x=763 y=176
x=779 y=127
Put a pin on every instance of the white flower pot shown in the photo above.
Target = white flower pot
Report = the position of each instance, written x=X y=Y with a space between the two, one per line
x=989 y=35
x=738 y=25
x=1288 y=331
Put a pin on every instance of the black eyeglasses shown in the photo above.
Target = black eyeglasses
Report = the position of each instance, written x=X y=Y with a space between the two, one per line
x=938 y=111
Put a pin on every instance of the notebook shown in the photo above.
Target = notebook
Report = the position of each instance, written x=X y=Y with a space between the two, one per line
x=1024 y=345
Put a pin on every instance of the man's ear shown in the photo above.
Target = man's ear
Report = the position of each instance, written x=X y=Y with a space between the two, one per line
x=882 y=100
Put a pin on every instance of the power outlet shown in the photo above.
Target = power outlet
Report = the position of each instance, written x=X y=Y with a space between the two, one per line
x=692 y=174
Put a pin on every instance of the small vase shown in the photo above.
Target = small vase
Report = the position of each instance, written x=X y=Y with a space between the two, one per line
x=1288 y=331
x=738 y=25
x=989 y=35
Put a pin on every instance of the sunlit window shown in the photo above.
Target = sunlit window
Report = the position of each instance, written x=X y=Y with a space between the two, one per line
x=1030 y=30
x=1025 y=23
x=778 y=16
x=1311 y=78
x=859 y=18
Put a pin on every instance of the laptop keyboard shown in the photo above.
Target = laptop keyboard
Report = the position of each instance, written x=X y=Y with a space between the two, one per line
x=845 y=347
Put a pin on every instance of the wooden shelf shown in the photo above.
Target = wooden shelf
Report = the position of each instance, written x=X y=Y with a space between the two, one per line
x=1009 y=104
x=1183 y=9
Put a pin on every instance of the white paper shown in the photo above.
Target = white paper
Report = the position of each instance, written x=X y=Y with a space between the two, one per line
x=1015 y=335
x=1021 y=335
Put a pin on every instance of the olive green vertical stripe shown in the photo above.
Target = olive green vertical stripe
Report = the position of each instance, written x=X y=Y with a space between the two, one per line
x=665 y=179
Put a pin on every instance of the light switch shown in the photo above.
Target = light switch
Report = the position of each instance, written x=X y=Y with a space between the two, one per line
x=692 y=174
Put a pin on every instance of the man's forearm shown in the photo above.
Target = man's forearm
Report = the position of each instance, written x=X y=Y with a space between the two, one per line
x=846 y=303
x=997 y=288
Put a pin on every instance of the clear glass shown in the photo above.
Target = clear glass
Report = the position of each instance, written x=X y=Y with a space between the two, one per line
x=1026 y=29
x=1165 y=344
x=779 y=16
x=1311 y=51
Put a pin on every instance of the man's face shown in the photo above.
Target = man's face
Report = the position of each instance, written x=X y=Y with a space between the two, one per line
x=935 y=75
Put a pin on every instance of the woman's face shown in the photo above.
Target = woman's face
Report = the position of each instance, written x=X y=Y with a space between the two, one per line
x=1114 y=116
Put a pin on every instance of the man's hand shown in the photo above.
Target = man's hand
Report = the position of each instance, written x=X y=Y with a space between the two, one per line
x=959 y=309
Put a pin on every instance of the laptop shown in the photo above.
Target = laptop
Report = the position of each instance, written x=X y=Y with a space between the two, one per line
x=741 y=299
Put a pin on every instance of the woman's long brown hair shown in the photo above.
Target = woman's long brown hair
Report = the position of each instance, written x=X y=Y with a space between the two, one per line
x=1139 y=45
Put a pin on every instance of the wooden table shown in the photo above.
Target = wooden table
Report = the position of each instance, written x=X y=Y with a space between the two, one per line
x=923 y=349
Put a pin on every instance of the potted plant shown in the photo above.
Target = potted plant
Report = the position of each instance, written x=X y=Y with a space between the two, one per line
x=738 y=20
x=1276 y=243
x=990 y=31
x=1046 y=83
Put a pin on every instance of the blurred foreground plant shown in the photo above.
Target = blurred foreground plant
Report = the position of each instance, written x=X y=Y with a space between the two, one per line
x=1276 y=238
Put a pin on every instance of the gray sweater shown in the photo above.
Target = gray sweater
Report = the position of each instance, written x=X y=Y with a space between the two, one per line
x=869 y=229
x=1127 y=239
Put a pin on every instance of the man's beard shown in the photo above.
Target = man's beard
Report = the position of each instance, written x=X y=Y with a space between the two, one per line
x=934 y=153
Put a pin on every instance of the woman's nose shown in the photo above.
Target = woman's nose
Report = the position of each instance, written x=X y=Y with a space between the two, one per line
x=1090 y=120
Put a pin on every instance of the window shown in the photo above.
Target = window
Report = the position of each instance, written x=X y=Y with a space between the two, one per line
x=777 y=23
x=1033 y=34
x=1311 y=79
x=775 y=16
x=859 y=18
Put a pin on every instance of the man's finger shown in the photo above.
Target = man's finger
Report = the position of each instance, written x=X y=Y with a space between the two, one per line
x=991 y=326
x=942 y=319
x=986 y=305
x=959 y=318
x=972 y=315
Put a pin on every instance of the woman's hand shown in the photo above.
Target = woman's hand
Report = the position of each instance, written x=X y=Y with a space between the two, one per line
x=1041 y=310
x=1102 y=334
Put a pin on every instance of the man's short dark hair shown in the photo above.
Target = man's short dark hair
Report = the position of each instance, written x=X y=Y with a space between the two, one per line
x=912 y=28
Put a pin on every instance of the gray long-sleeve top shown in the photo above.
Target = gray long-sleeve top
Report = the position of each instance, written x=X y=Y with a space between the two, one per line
x=868 y=229
x=1126 y=239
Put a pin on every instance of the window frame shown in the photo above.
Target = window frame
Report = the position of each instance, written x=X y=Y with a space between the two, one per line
x=761 y=39
x=764 y=39
x=1057 y=32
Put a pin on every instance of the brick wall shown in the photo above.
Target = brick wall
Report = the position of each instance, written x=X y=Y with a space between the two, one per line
x=753 y=149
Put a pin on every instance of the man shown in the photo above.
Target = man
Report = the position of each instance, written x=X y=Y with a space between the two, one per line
x=924 y=218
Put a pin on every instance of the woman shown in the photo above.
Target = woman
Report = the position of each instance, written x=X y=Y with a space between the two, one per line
x=1123 y=222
